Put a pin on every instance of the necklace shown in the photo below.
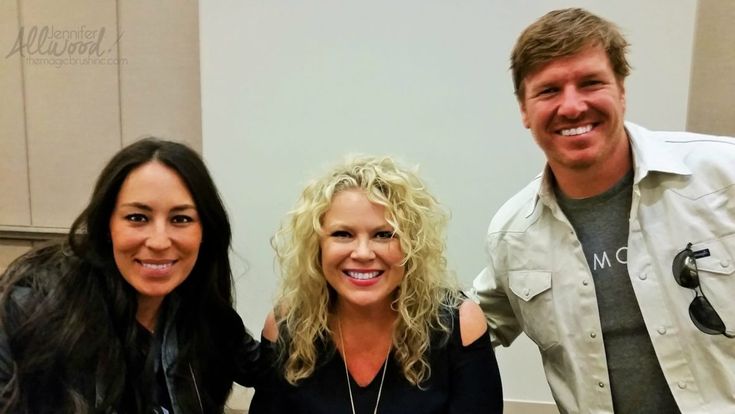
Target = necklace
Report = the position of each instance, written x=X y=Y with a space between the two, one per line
x=347 y=372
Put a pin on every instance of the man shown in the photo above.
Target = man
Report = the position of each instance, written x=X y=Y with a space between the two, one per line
x=602 y=259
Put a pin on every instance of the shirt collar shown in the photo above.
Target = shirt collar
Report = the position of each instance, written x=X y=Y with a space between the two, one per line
x=545 y=191
x=648 y=156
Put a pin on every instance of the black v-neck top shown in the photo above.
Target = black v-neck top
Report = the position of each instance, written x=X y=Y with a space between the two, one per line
x=149 y=345
x=463 y=380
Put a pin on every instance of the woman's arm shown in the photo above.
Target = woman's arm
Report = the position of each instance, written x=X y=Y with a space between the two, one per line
x=268 y=393
x=475 y=383
x=247 y=355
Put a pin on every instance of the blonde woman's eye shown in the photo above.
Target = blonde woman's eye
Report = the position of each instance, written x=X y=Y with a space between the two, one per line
x=341 y=234
x=385 y=234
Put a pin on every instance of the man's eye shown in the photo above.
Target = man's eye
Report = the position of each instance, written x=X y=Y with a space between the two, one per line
x=385 y=234
x=136 y=218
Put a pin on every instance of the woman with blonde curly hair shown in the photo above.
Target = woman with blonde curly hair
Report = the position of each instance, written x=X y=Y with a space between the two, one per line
x=367 y=319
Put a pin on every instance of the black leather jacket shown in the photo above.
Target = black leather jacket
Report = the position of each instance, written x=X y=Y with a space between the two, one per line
x=194 y=386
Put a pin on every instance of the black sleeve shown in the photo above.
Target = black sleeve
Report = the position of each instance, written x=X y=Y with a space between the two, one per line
x=475 y=385
x=247 y=364
x=268 y=395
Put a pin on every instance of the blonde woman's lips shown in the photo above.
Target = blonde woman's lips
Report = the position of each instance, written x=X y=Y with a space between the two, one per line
x=363 y=275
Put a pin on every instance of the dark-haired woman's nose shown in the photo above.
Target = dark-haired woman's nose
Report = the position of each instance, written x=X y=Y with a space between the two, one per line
x=158 y=237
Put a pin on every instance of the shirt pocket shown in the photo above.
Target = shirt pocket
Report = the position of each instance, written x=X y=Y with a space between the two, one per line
x=717 y=276
x=535 y=305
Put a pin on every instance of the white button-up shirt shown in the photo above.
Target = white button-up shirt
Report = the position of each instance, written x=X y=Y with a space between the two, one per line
x=537 y=279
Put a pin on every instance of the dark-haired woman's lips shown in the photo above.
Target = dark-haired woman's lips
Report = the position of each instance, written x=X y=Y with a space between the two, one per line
x=156 y=267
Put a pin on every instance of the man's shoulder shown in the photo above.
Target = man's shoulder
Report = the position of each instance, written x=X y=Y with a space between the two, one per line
x=687 y=153
x=687 y=143
x=516 y=212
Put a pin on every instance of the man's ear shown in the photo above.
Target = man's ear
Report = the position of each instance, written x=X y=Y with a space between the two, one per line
x=524 y=114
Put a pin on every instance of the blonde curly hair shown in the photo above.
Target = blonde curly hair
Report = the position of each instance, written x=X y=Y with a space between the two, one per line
x=425 y=296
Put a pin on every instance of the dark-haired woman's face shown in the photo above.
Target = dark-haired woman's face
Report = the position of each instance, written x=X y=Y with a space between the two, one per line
x=155 y=231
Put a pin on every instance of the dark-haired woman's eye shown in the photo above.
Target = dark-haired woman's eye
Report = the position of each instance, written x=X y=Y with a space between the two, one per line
x=136 y=218
x=181 y=219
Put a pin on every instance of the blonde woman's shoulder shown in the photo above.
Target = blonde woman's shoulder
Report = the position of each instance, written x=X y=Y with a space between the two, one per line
x=472 y=323
x=270 y=327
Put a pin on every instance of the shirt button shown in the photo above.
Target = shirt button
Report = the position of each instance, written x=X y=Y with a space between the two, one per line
x=601 y=384
x=593 y=335
x=576 y=243
x=724 y=263
x=681 y=384
x=526 y=292
x=661 y=330
x=643 y=276
x=585 y=282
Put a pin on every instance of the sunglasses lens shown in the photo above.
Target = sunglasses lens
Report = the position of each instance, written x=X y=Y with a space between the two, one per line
x=685 y=269
x=705 y=317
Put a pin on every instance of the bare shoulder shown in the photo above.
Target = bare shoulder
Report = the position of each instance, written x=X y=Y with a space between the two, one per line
x=270 y=328
x=472 y=323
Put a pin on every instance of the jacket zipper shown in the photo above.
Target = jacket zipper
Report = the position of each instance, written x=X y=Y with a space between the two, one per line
x=196 y=388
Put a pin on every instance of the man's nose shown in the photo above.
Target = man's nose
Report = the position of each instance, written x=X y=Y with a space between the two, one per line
x=573 y=103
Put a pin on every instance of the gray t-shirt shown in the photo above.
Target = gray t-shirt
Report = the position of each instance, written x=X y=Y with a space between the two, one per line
x=601 y=223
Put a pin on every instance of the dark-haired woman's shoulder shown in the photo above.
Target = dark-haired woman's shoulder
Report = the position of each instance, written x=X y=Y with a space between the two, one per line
x=39 y=268
x=23 y=286
x=18 y=300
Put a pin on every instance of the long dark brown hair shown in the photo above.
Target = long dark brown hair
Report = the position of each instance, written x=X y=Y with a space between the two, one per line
x=69 y=316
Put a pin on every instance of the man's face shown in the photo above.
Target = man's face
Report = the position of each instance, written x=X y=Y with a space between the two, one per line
x=574 y=107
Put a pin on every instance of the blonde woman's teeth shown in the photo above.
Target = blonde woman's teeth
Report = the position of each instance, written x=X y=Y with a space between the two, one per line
x=362 y=275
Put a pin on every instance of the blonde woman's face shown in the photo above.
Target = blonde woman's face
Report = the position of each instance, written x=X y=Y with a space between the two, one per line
x=361 y=258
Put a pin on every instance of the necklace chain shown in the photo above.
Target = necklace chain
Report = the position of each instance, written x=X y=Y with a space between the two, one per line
x=347 y=372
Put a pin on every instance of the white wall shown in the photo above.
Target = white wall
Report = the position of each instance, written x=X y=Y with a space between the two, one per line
x=289 y=87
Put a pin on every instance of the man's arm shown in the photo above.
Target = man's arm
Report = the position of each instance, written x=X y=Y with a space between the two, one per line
x=504 y=327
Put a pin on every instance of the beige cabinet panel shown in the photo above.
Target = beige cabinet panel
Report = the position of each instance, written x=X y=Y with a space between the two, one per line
x=80 y=79
x=159 y=70
x=712 y=87
x=10 y=249
x=72 y=105
x=14 y=191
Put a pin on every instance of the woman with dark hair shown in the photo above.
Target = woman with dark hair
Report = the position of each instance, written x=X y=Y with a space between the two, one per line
x=133 y=313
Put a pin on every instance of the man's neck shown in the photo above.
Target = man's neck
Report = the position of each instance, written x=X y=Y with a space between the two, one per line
x=596 y=179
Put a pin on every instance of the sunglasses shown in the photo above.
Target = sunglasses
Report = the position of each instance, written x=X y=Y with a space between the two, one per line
x=701 y=312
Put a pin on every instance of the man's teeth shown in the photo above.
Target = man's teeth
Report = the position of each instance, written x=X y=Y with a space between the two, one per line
x=159 y=266
x=362 y=275
x=576 y=131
